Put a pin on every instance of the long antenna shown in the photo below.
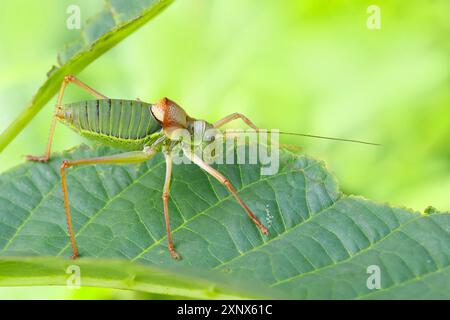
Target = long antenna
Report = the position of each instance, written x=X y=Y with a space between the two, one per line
x=316 y=136
x=329 y=138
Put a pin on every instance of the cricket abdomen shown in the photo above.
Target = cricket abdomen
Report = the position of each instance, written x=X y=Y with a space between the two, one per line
x=127 y=124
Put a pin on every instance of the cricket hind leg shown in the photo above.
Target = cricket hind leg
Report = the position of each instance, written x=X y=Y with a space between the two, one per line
x=67 y=79
x=122 y=158
x=165 y=197
x=224 y=181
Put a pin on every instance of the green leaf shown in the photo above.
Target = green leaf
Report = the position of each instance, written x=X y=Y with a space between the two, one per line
x=322 y=243
x=116 y=21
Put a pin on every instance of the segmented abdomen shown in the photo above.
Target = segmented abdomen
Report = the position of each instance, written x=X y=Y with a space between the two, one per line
x=124 y=119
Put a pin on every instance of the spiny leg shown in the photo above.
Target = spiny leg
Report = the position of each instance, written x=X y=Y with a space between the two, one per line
x=67 y=79
x=123 y=158
x=235 y=116
x=223 y=180
x=165 y=197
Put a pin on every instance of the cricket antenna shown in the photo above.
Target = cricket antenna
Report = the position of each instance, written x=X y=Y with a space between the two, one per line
x=329 y=138
x=316 y=136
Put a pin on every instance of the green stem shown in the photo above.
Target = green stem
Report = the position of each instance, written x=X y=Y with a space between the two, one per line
x=116 y=274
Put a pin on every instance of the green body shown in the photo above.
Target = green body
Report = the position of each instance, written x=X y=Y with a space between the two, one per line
x=124 y=124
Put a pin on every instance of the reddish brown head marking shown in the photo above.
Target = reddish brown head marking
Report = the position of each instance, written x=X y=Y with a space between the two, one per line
x=169 y=114
x=164 y=105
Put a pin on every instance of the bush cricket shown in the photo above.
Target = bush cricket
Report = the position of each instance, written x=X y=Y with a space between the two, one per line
x=143 y=129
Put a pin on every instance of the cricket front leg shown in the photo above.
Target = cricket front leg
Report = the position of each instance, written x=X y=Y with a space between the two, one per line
x=123 y=158
x=165 y=197
x=67 y=79
x=223 y=180
x=235 y=116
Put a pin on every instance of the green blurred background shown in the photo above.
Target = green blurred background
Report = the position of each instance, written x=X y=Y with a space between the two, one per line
x=304 y=66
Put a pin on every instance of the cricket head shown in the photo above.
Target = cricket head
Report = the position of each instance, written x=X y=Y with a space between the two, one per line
x=178 y=125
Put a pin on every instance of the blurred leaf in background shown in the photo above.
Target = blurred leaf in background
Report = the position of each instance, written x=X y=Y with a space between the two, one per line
x=302 y=66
